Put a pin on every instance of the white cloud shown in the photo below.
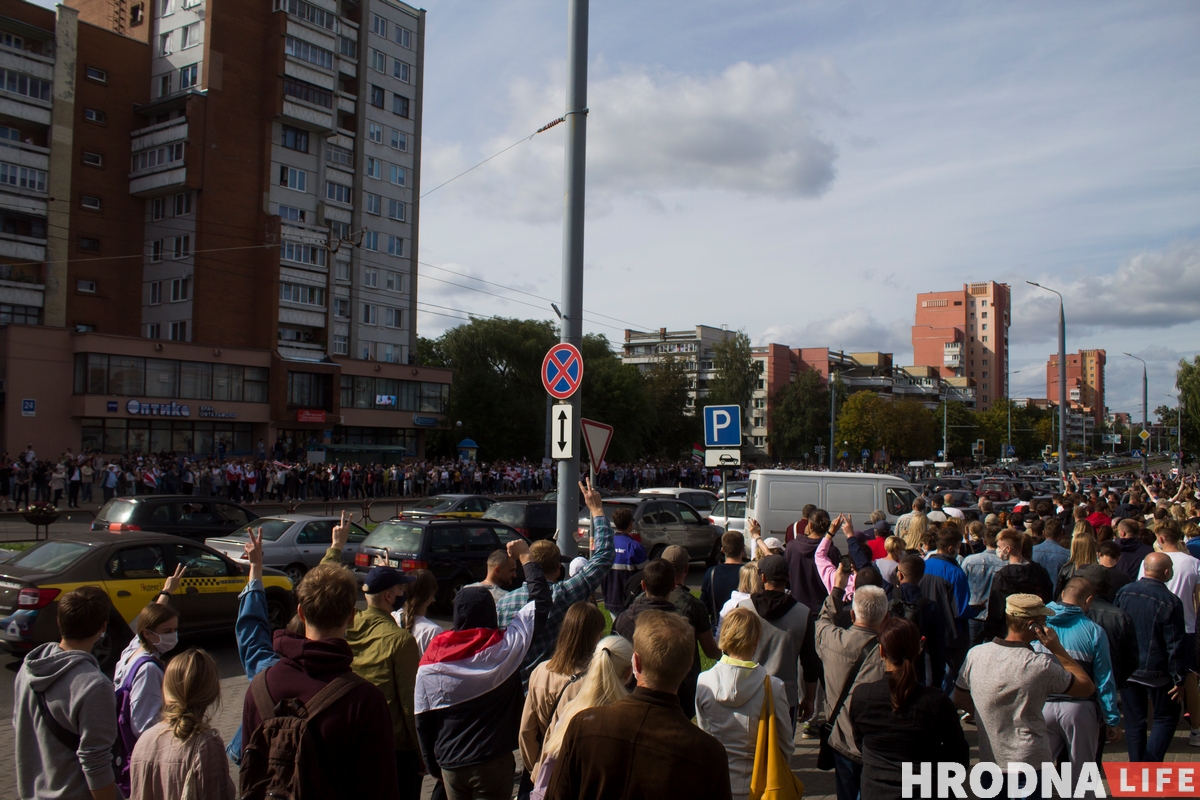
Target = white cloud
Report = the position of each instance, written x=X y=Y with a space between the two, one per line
x=751 y=129
x=855 y=330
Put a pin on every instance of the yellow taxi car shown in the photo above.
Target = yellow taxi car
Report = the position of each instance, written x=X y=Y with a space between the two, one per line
x=132 y=568
x=453 y=506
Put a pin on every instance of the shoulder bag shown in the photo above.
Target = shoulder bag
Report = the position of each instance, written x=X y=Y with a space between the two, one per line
x=825 y=751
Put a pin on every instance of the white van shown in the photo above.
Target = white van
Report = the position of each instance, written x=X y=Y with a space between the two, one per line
x=777 y=496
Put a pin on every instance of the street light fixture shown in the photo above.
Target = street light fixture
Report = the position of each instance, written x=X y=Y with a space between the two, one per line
x=1062 y=383
x=1179 y=425
x=1145 y=406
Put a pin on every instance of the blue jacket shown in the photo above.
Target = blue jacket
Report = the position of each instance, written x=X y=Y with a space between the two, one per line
x=628 y=555
x=948 y=570
x=253 y=632
x=1087 y=643
x=979 y=569
x=1051 y=555
x=1158 y=621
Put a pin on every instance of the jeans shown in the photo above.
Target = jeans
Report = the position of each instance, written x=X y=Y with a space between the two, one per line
x=1134 y=700
x=408 y=774
x=975 y=629
x=491 y=780
x=848 y=776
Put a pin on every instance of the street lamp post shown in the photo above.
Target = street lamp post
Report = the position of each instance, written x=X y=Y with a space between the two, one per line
x=1145 y=408
x=1062 y=383
x=1179 y=426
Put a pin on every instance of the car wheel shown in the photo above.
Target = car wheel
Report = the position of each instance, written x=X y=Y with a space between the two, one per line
x=108 y=648
x=452 y=589
x=295 y=572
x=657 y=551
x=278 y=613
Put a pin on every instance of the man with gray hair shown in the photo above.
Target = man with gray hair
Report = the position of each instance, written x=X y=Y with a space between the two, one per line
x=851 y=657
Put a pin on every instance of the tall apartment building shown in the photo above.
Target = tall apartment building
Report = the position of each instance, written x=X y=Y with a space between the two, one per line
x=692 y=348
x=1085 y=382
x=964 y=334
x=220 y=180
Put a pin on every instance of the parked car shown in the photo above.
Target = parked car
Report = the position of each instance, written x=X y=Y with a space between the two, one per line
x=292 y=543
x=454 y=550
x=534 y=519
x=179 y=514
x=448 y=505
x=730 y=514
x=996 y=491
x=700 y=499
x=131 y=567
x=659 y=521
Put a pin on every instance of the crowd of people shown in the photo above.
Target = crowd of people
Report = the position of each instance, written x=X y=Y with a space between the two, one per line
x=1053 y=645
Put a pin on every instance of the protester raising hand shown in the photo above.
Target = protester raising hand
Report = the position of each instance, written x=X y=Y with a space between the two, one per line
x=592 y=498
x=252 y=551
x=341 y=532
x=170 y=585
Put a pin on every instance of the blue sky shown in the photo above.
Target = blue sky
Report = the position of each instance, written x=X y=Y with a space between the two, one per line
x=800 y=170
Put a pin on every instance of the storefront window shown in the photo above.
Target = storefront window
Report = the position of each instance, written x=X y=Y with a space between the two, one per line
x=385 y=393
x=162 y=378
x=156 y=436
x=347 y=391
x=139 y=436
x=410 y=394
x=114 y=436
x=310 y=390
x=126 y=375
x=195 y=380
x=255 y=381
x=160 y=436
x=434 y=397
x=129 y=376
x=227 y=382
x=362 y=392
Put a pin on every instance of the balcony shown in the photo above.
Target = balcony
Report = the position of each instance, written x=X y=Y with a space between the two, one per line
x=953 y=355
x=20 y=293
x=158 y=165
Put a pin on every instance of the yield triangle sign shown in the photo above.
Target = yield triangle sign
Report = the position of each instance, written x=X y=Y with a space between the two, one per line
x=596 y=436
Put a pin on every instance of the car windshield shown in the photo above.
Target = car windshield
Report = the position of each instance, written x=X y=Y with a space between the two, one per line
x=272 y=529
x=398 y=536
x=433 y=504
x=116 y=510
x=50 y=556
x=508 y=513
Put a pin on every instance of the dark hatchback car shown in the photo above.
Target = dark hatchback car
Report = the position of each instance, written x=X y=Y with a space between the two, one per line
x=179 y=514
x=454 y=550
x=533 y=519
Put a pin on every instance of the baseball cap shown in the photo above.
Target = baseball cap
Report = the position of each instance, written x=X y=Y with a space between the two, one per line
x=1026 y=606
x=677 y=557
x=380 y=579
x=773 y=569
x=772 y=544
x=882 y=528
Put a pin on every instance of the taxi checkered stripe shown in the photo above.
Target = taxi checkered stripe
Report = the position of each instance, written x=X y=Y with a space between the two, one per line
x=210 y=581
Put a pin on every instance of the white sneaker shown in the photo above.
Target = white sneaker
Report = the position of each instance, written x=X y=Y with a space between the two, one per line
x=1194 y=738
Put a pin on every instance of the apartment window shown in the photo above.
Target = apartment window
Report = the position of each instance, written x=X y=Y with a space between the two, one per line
x=400 y=105
x=292 y=214
x=374 y=168
x=348 y=47
x=375 y=132
x=371 y=278
x=90 y=202
x=338 y=230
x=395 y=281
x=341 y=345
x=341 y=307
x=93 y=159
x=189 y=76
x=378 y=61
x=164 y=84
x=307 y=92
x=985 y=362
x=158 y=208
x=191 y=3
x=89 y=244
x=374 y=203
x=153 y=331
x=343 y=271
x=395 y=247
x=400 y=141
x=399 y=175
x=984 y=338
x=155 y=292
x=985 y=373
x=402 y=71
x=157 y=156
x=85 y=287
x=339 y=156
x=379 y=25
x=164 y=44
x=298 y=293
x=983 y=303
x=183 y=204
x=366 y=350
x=189 y=36
x=404 y=37
x=984 y=315
x=393 y=317
x=183 y=246
x=376 y=98
x=94 y=115
x=166 y=8
x=985 y=389
x=368 y=315
x=180 y=289
x=371 y=241
x=178 y=331
x=156 y=251
x=396 y=210
x=304 y=11
x=303 y=253
x=985 y=326
x=294 y=139
x=96 y=74
x=309 y=52
x=12 y=40
x=292 y=178
x=338 y=193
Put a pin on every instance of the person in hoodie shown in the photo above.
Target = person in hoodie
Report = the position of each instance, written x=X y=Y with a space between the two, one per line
x=468 y=696
x=64 y=708
x=628 y=557
x=1073 y=724
x=1133 y=549
x=908 y=602
x=803 y=576
x=1017 y=576
x=787 y=646
x=729 y=699
x=354 y=740
x=386 y=655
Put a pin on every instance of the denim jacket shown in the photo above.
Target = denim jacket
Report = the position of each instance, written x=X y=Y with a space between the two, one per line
x=980 y=568
x=1158 y=621
x=253 y=632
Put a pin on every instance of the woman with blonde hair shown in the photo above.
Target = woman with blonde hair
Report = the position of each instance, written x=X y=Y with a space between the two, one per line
x=1083 y=553
x=183 y=757
x=610 y=670
x=915 y=532
x=749 y=582
x=1083 y=527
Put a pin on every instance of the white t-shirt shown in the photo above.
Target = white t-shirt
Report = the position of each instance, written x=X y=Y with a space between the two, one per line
x=424 y=629
x=1182 y=584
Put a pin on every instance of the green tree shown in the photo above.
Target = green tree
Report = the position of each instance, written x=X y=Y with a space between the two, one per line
x=961 y=429
x=429 y=353
x=673 y=429
x=617 y=395
x=736 y=371
x=1187 y=381
x=906 y=429
x=860 y=422
x=799 y=414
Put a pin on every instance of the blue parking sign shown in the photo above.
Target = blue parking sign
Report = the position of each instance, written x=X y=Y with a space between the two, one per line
x=29 y=408
x=722 y=426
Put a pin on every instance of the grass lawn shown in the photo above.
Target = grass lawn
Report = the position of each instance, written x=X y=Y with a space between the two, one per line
x=17 y=546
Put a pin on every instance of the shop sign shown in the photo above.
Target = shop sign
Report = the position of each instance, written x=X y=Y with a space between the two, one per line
x=29 y=408
x=112 y=407
x=157 y=409
x=310 y=415
x=426 y=422
x=212 y=413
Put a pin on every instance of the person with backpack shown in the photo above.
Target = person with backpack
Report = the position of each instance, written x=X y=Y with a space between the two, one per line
x=628 y=557
x=312 y=728
x=907 y=602
x=182 y=757
x=721 y=580
x=64 y=711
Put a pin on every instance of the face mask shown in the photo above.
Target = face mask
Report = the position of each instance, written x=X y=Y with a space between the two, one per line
x=166 y=642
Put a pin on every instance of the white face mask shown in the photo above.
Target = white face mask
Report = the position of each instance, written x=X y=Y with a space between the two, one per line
x=166 y=642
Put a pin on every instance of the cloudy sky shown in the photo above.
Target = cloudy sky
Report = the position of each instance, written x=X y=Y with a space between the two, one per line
x=800 y=170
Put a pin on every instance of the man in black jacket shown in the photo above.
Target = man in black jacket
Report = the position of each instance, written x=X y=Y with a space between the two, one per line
x=1018 y=576
x=1133 y=549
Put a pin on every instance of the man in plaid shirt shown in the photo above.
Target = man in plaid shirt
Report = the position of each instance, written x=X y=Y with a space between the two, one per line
x=563 y=592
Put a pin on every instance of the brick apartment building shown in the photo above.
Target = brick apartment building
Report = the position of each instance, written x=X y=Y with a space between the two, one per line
x=1085 y=382
x=964 y=333
x=210 y=225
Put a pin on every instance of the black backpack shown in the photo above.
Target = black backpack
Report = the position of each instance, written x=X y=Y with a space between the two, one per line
x=909 y=611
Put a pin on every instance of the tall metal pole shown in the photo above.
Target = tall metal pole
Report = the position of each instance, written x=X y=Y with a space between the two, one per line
x=1062 y=383
x=572 y=267
x=1145 y=410
x=832 y=415
x=945 y=417
x=1008 y=401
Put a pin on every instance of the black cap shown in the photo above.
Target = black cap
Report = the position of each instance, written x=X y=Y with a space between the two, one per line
x=773 y=569
x=380 y=579
x=474 y=607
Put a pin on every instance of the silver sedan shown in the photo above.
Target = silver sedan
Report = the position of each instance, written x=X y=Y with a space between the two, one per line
x=292 y=543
